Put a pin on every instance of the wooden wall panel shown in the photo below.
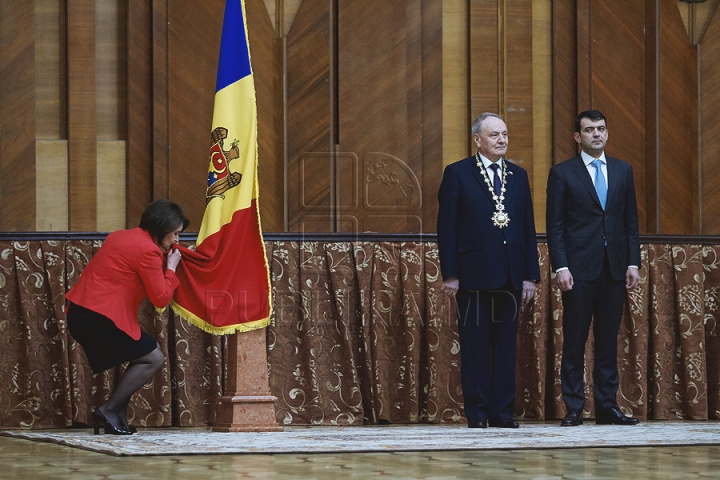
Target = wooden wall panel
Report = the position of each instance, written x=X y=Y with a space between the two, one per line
x=564 y=79
x=380 y=114
x=111 y=57
x=456 y=114
x=617 y=83
x=50 y=59
x=518 y=75
x=432 y=111
x=140 y=135
x=267 y=62
x=542 y=91
x=161 y=102
x=651 y=200
x=678 y=125
x=486 y=85
x=309 y=119
x=17 y=116
x=710 y=128
x=82 y=149
x=193 y=46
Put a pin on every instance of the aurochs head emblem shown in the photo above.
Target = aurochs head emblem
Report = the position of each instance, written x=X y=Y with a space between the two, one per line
x=220 y=178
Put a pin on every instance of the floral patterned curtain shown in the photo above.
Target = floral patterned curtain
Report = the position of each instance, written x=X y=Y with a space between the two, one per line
x=360 y=334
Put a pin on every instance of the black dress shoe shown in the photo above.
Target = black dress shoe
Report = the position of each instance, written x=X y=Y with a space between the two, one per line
x=505 y=424
x=572 y=419
x=477 y=424
x=101 y=421
x=615 y=417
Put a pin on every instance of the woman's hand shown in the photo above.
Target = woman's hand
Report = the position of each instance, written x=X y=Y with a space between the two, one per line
x=173 y=258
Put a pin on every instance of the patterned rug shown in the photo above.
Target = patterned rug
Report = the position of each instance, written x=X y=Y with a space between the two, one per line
x=394 y=438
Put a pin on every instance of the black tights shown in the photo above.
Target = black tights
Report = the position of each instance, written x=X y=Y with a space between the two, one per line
x=136 y=375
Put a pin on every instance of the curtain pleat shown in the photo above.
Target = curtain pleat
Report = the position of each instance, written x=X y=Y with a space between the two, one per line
x=360 y=334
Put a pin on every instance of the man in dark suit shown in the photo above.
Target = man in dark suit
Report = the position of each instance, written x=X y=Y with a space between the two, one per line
x=488 y=256
x=592 y=234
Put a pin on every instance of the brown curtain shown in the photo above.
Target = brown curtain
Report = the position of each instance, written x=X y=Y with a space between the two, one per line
x=360 y=334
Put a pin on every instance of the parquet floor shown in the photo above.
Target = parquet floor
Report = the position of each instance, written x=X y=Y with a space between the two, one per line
x=23 y=459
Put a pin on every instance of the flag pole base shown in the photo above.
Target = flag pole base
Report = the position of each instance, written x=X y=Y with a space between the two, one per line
x=241 y=413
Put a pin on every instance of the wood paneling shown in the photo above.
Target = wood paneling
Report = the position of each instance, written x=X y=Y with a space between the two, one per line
x=309 y=118
x=161 y=100
x=192 y=56
x=564 y=79
x=17 y=116
x=140 y=134
x=359 y=104
x=710 y=128
x=542 y=118
x=432 y=110
x=111 y=56
x=380 y=101
x=621 y=97
x=651 y=200
x=50 y=59
x=486 y=84
x=111 y=185
x=267 y=55
x=82 y=151
x=678 y=123
x=456 y=114
x=51 y=192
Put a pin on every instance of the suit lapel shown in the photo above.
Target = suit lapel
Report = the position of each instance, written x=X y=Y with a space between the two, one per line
x=613 y=178
x=509 y=182
x=481 y=180
x=582 y=172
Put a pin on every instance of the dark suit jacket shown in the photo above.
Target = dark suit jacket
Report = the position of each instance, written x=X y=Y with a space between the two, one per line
x=128 y=268
x=578 y=228
x=471 y=248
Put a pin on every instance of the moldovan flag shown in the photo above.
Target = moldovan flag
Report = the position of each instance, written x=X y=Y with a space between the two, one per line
x=225 y=283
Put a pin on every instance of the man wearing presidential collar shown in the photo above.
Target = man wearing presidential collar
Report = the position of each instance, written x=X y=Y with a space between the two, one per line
x=593 y=239
x=489 y=262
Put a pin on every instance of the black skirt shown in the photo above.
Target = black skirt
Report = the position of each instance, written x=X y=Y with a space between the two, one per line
x=104 y=344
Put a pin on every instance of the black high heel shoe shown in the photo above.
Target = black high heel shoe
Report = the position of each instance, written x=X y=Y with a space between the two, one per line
x=99 y=420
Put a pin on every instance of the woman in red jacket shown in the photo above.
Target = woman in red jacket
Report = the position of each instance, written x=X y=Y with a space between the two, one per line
x=102 y=306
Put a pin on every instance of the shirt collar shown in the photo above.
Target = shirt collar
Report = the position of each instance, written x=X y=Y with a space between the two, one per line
x=486 y=161
x=588 y=159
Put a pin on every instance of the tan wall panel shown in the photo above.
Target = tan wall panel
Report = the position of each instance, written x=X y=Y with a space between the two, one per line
x=542 y=105
x=52 y=187
x=82 y=115
x=455 y=92
x=111 y=185
x=51 y=83
x=111 y=22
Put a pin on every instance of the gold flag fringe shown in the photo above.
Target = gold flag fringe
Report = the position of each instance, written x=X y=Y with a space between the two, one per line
x=230 y=329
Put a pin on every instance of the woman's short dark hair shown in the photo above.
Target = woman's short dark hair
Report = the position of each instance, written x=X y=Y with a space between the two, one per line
x=162 y=217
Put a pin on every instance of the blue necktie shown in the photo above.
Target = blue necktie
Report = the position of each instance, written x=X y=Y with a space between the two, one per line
x=497 y=181
x=600 y=185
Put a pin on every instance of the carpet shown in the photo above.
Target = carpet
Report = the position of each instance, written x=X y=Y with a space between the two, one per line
x=392 y=438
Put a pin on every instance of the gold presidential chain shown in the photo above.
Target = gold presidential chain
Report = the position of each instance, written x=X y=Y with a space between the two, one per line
x=500 y=218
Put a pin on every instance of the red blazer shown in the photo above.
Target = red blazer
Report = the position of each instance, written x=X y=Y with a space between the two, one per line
x=128 y=268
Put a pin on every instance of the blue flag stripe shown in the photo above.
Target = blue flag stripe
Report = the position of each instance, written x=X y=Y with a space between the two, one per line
x=234 y=62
